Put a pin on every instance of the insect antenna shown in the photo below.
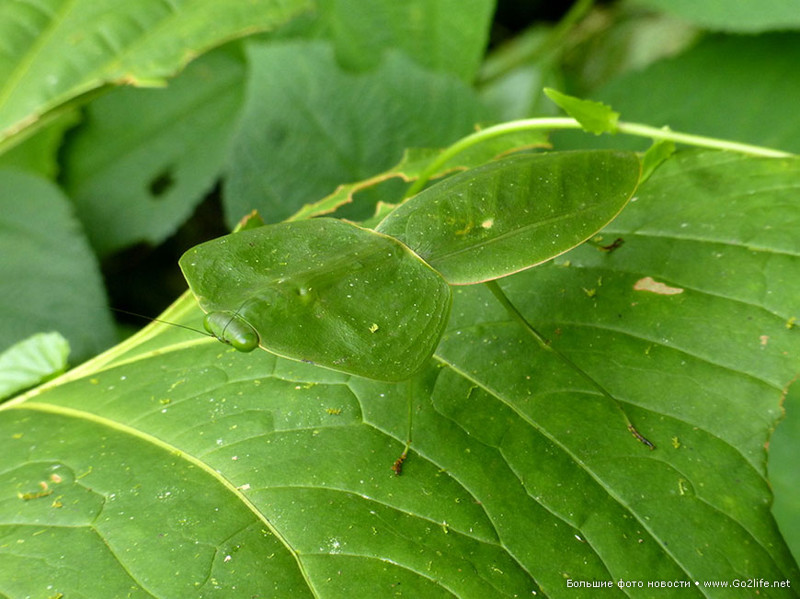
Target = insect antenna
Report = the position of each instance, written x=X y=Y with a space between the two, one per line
x=234 y=315
x=150 y=318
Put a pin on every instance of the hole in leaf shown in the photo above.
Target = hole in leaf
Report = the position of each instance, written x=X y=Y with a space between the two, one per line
x=161 y=183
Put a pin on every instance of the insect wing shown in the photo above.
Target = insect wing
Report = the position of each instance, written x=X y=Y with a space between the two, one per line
x=324 y=291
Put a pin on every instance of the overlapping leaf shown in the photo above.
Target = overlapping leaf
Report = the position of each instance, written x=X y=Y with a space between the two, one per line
x=167 y=145
x=180 y=467
x=56 y=51
x=32 y=361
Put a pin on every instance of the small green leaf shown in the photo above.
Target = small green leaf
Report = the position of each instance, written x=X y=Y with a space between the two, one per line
x=32 y=361
x=594 y=117
x=322 y=291
x=515 y=213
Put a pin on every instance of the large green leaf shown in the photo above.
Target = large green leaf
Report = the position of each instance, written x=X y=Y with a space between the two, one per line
x=309 y=125
x=512 y=214
x=174 y=466
x=323 y=291
x=51 y=280
x=167 y=146
x=56 y=50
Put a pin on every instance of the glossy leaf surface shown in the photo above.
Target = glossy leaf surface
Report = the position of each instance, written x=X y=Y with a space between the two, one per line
x=269 y=477
x=327 y=292
x=512 y=214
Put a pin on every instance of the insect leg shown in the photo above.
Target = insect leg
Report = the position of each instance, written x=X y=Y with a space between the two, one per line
x=546 y=345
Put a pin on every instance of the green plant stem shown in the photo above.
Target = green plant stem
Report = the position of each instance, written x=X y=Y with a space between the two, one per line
x=547 y=346
x=557 y=123
x=699 y=141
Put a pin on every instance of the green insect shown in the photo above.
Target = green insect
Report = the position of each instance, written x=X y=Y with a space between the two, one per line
x=322 y=291
x=375 y=302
